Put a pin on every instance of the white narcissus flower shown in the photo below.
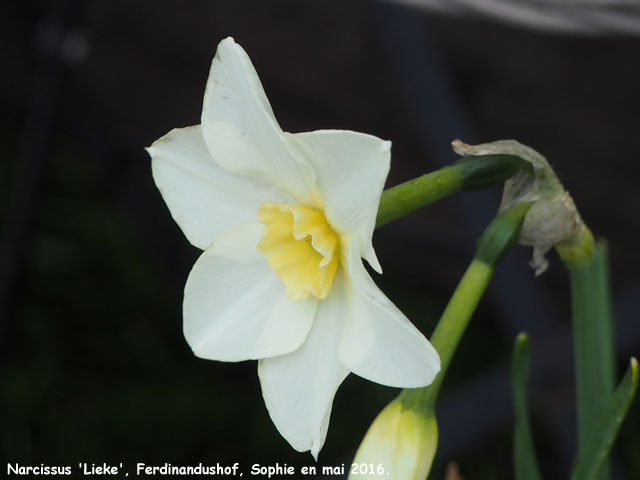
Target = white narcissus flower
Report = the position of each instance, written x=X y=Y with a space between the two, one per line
x=284 y=221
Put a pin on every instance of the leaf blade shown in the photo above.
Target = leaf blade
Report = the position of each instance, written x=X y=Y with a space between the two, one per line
x=599 y=443
x=525 y=462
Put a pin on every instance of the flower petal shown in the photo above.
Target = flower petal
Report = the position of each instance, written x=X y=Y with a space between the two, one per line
x=235 y=306
x=240 y=129
x=204 y=199
x=351 y=170
x=298 y=388
x=379 y=343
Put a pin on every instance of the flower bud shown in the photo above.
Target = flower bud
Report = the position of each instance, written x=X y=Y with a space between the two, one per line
x=400 y=444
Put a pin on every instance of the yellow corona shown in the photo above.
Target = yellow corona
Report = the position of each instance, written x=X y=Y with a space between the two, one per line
x=301 y=247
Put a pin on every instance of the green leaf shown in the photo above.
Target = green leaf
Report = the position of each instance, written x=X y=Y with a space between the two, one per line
x=525 y=463
x=597 y=446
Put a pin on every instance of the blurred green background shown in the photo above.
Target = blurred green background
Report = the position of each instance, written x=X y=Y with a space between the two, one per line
x=94 y=367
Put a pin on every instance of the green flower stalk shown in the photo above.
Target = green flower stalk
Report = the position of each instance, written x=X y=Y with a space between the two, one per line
x=496 y=240
x=404 y=436
x=470 y=173
x=586 y=263
x=536 y=211
x=553 y=220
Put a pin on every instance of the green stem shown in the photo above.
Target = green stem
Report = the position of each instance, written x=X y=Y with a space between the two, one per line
x=494 y=243
x=586 y=262
x=407 y=197
x=456 y=317
x=467 y=174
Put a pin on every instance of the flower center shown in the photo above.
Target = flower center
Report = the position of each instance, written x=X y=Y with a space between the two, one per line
x=300 y=247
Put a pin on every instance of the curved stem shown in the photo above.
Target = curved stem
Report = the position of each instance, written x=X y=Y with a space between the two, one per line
x=468 y=174
x=496 y=240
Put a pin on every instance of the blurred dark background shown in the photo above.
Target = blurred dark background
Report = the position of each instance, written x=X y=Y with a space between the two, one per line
x=93 y=364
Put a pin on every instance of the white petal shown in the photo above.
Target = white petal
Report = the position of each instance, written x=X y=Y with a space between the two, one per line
x=298 y=388
x=203 y=198
x=235 y=306
x=351 y=169
x=379 y=343
x=240 y=129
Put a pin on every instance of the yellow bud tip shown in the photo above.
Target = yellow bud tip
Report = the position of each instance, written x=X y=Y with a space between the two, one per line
x=402 y=441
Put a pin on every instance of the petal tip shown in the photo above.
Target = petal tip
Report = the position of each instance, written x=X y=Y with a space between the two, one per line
x=314 y=453
x=228 y=44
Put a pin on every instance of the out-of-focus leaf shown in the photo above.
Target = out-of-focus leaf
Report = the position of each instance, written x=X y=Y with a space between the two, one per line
x=525 y=463
x=599 y=443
